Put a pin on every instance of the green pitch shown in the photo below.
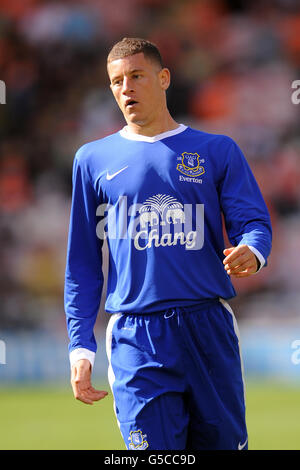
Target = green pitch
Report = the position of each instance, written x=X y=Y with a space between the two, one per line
x=50 y=418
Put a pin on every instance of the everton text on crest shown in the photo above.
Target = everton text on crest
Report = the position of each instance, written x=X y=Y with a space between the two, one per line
x=159 y=221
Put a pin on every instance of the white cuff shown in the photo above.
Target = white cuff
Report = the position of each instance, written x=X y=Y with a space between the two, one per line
x=259 y=256
x=81 y=353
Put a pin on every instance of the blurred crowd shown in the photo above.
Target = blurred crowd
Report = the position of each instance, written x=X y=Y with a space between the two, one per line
x=232 y=66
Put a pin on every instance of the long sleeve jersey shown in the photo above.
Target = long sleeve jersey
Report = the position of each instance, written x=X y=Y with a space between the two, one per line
x=160 y=203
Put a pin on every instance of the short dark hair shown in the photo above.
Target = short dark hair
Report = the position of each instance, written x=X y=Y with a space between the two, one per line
x=130 y=46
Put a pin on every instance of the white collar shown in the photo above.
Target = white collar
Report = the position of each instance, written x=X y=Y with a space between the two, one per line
x=144 y=138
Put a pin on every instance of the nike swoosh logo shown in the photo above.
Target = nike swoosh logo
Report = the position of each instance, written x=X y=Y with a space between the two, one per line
x=110 y=177
x=241 y=446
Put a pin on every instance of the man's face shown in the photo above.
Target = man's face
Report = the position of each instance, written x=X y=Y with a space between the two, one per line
x=138 y=85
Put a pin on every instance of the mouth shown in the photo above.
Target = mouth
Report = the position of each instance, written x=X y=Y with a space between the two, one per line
x=130 y=103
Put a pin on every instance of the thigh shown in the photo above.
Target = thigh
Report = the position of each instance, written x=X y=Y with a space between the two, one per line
x=160 y=425
x=216 y=398
x=147 y=383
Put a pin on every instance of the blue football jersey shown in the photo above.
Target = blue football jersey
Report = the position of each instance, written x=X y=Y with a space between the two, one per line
x=158 y=202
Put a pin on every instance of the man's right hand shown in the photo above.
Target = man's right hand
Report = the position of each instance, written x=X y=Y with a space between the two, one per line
x=81 y=383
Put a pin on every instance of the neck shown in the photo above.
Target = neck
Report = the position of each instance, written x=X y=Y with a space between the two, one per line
x=150 y=129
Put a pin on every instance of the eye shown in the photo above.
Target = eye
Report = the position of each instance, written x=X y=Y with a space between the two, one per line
x=117 y=82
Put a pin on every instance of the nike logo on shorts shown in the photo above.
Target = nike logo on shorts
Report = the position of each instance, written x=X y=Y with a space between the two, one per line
x=241 y=446
x=110 y=177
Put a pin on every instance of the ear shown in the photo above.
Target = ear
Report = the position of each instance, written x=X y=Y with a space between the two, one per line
x=165 y=78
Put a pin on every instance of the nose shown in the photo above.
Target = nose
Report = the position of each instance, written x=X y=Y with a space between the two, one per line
x=127 y=86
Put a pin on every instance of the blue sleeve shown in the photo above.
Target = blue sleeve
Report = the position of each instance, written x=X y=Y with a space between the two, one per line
x=246 y=215
x=83 y=274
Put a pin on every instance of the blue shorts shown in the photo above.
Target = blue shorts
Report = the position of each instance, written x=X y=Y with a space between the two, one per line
x=176 y=377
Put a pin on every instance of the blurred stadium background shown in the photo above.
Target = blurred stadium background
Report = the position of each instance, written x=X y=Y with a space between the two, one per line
x=232 y=64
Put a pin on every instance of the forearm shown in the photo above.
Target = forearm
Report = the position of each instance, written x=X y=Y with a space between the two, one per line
x=82 y=353
x=258 y=237
x=81 y=307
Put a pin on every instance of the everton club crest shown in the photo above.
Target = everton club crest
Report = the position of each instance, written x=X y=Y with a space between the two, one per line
x=190 y=164
x=137 y=440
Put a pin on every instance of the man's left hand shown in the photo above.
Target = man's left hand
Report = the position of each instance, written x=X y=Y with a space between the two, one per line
x=240 y=261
